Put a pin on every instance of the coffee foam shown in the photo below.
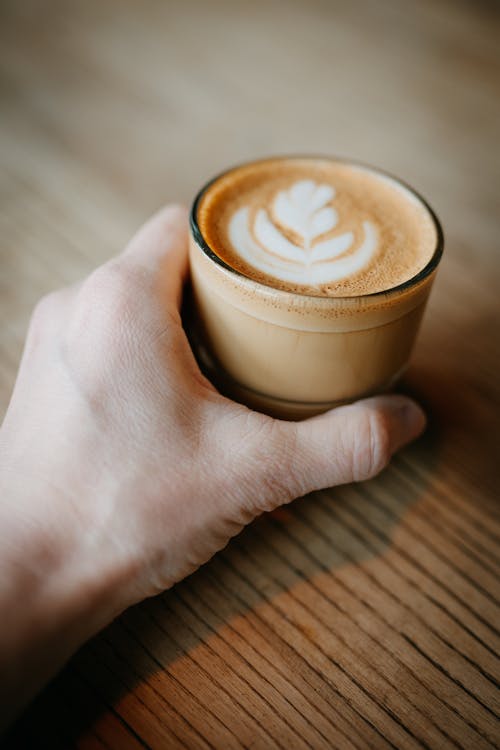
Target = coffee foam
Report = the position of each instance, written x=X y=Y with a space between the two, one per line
x=316 y=226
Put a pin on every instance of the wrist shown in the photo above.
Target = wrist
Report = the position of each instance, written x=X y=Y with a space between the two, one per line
x=58 y=586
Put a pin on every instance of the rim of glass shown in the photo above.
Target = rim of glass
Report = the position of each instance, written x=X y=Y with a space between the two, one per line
x=430 y=266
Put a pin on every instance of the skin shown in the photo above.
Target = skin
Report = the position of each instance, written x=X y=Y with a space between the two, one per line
x=122 y=469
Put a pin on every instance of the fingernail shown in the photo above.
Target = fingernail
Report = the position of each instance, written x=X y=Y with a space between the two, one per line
x=413 y=418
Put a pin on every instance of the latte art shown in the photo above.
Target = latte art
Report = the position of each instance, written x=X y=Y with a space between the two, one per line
x=316 y=226
x=295 y=240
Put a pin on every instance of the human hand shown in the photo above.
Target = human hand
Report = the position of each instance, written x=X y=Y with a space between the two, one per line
x=123 y=469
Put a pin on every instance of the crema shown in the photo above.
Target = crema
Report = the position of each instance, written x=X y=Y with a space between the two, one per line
x=317 y=226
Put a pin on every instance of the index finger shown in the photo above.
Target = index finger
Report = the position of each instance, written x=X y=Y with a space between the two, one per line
x=161 y=246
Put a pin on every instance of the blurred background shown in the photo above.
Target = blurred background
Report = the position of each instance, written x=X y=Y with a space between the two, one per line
x=110 y=108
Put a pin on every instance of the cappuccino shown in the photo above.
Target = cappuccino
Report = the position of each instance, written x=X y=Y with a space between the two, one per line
x=317 y=227
x=309 y=278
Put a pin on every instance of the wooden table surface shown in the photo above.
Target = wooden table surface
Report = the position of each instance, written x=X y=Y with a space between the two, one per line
x=360 y=617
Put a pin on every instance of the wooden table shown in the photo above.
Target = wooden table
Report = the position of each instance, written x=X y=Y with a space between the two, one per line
x=361 y=617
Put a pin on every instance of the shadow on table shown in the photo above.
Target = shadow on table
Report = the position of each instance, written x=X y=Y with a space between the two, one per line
x=455 y=378
x=323 y=533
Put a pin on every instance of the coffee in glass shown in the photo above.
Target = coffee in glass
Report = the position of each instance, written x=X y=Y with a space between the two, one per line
x=309 y=280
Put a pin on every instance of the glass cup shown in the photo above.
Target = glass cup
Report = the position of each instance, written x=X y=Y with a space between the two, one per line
x=294 y=355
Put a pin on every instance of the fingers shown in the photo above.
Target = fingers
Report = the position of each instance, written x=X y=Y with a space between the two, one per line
x=161 y=247
x=135 y=297
x=350 y=443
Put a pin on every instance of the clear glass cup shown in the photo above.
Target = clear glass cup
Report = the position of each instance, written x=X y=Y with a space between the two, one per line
x=293 y=355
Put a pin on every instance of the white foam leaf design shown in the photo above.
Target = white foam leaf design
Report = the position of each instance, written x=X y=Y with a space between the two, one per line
x=302 y=213
x=322 y=222
x=270 y=237
x=302 y=209
x=330 y=249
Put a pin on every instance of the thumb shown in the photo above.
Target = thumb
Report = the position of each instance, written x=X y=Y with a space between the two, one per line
x=350 y=443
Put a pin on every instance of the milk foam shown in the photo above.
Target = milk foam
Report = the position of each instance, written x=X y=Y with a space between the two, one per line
x=316 y=226
x=294 y=239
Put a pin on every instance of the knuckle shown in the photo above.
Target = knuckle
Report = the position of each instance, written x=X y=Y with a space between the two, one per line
x=275 y=451
x=171 y=215
x=114 y=282
x=373 y=449
x=100 y=335
x=44 y=318
x=43 y=310
x=106 y=303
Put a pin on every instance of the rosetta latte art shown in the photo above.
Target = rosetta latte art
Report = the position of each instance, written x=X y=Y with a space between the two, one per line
x=294 y=239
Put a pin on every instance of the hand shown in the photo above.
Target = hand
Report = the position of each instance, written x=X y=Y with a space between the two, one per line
x=123 y=469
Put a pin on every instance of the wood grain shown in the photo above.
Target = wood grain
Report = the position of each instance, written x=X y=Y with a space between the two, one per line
x=359 y=617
